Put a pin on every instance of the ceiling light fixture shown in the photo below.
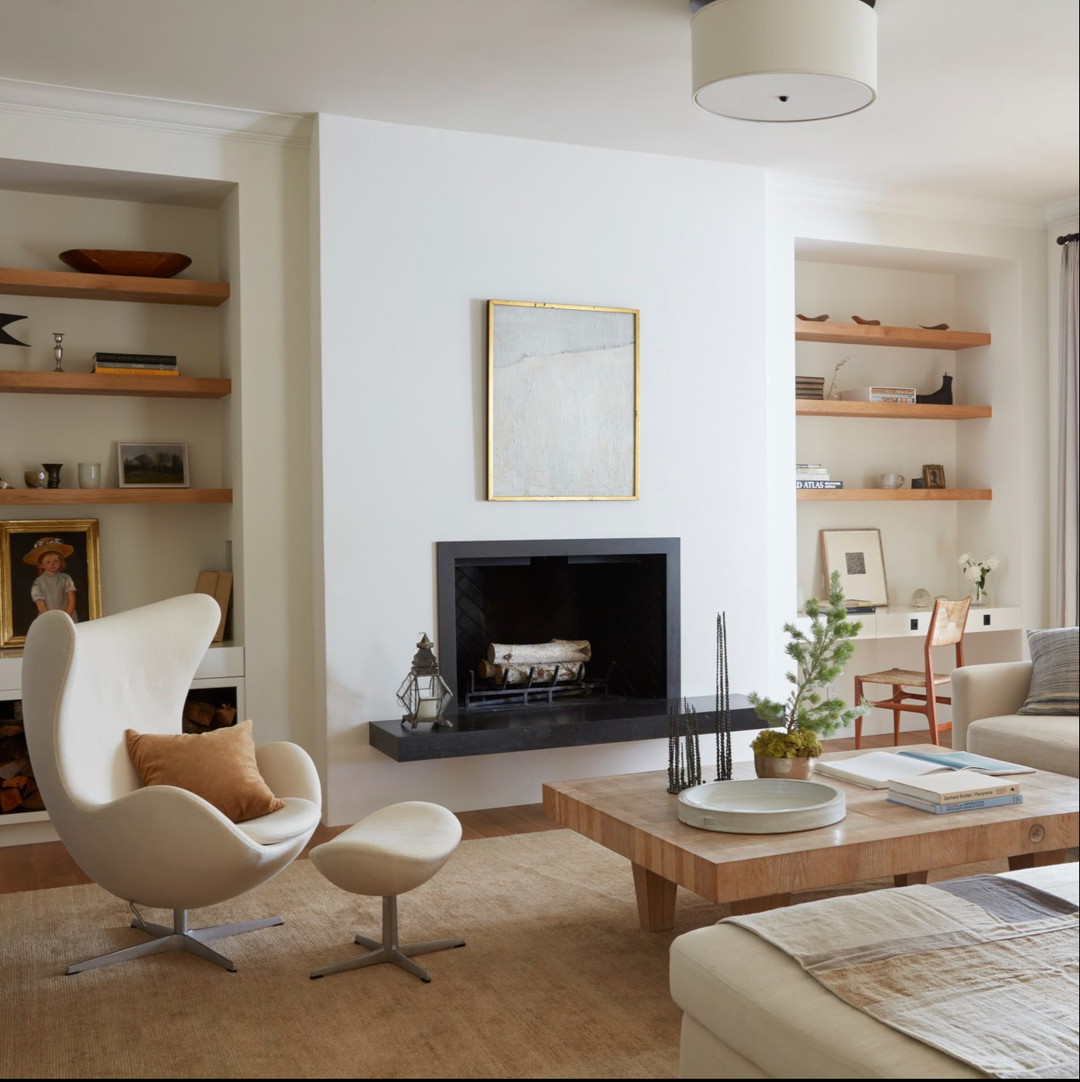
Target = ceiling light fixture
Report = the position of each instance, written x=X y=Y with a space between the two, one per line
x=784 y=60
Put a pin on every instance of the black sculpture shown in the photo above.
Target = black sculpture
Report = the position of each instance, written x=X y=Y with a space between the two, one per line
x=5 y=338
x=942 y=396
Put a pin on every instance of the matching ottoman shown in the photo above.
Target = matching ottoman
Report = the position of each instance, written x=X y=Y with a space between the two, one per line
x=387 y=853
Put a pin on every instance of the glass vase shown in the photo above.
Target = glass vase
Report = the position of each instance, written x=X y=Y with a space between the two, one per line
x=980 y=597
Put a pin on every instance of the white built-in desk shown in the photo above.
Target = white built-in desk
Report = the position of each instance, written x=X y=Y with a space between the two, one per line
x=902 y=621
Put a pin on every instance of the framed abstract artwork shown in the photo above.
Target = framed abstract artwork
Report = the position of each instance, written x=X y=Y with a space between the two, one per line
x=563 y=388
x=859 y=557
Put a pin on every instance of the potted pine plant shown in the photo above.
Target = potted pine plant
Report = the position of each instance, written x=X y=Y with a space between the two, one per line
x=790 y=745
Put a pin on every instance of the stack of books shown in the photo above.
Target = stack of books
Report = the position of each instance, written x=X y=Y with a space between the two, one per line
x=810 y=387
x=814 y=475
x=879 y=394
x=883 y=769
x=137 y=364
x=954 y=790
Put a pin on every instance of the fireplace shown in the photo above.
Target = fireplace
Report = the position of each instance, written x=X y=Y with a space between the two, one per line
x=619 y=594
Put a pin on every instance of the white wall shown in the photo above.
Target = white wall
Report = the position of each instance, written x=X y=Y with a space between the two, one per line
x=418 y=229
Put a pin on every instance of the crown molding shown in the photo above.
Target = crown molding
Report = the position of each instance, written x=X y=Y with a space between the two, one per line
x=75 y=103
x=927 y=204
x=1063 y=213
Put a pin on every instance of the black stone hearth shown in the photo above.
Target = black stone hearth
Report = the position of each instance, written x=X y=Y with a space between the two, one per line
x=622 y=594
x=560 y=725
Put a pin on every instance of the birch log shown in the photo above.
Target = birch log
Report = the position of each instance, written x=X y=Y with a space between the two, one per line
x=528 y=653
x=494 y=672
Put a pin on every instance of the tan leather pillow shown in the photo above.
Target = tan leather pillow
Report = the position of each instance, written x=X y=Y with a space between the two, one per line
x=218 y=765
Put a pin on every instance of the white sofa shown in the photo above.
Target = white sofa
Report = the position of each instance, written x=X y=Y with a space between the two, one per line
x=986 y=699
x=752 y=1011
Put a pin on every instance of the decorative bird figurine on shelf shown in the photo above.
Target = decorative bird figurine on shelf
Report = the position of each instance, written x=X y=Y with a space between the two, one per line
x=5 y=338
x=867 y=322
x=935 y=327
x=812 y=319
x=942 y=396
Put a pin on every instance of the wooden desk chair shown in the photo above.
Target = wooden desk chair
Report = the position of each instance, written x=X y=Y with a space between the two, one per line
x=947 y=624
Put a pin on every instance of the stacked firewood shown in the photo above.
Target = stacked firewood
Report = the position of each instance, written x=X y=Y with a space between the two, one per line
x=201 y=716
x=18 y=790
x=561 y=660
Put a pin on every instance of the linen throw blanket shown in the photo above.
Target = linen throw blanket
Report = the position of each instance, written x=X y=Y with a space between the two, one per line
x=982 y=968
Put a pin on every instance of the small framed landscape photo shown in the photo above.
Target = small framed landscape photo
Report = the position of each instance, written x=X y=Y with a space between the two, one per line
x=47 y=564
x=933 y=476
x=152 y=465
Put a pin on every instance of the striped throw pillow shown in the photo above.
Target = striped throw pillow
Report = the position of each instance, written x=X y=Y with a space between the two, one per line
x=1055 y=673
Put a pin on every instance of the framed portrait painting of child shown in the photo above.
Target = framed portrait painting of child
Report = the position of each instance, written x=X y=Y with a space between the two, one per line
x=47 y=564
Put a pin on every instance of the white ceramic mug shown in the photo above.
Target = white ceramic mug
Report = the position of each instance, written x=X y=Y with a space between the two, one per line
x=89 y=474
x=892 y=480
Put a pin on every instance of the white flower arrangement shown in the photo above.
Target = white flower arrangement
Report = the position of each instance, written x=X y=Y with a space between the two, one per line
x=977 y=570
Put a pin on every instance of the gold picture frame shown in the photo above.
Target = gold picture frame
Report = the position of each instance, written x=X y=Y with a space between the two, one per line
x=25 y=548
x=933 y=476
x=563 y=388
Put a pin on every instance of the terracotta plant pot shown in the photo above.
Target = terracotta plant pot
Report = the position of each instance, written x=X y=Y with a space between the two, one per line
x=800 y=769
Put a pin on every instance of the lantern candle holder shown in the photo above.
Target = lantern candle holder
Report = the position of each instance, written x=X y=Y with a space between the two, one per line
x=424 y=694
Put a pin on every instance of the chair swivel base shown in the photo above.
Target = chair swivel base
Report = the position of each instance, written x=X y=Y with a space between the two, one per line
x=177 y=938
x=389 y=950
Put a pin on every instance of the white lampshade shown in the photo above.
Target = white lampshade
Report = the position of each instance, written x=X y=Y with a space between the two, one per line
x=784 y=60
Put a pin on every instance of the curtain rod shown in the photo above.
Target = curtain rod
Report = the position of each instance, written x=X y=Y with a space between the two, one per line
x=1068 y=237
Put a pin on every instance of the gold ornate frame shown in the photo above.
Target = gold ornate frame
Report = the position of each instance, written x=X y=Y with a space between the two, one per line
x=17 y=538
x=563 y=390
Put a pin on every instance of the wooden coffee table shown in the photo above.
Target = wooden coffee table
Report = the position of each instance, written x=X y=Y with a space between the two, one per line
x=635 y=816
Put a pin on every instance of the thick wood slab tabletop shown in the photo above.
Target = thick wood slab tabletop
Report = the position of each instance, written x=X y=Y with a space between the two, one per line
x=635 y=816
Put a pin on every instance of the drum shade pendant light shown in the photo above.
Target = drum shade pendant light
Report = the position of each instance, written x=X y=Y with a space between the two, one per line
x=784 y=60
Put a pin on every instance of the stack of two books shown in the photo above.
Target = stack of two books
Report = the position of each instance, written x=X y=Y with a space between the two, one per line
x=137 y=364
x=956 y=790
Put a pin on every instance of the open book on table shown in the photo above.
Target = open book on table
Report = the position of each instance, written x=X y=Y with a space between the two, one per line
x=876 y=769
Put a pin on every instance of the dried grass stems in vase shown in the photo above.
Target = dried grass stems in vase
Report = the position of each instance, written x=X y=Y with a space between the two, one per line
x=684 y=754
x=723 y=702
x=797 y=723
x=833 y=392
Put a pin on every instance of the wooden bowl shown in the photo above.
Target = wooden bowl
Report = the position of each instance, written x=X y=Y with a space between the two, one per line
x=139 y=264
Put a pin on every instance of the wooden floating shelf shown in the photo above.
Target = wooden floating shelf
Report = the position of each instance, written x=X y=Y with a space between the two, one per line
x=112 y=287
x=55 y=497
x=893 y=495
x=813 y=407
x=100 y=383
x=909 y=337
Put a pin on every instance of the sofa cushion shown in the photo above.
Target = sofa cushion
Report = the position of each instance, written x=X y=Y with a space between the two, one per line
x=1055 y=674
x=1044 y=743
x=218 y=765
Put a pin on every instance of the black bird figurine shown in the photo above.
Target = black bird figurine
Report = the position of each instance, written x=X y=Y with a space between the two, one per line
x=5 y=338
x=935 y=327
x=812 y=319
x=867 y=322
x=942 y=396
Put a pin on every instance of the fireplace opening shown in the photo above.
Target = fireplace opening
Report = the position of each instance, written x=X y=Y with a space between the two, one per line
x=621 y=595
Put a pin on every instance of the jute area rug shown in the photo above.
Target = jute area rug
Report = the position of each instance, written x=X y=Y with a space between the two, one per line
x=556 y=979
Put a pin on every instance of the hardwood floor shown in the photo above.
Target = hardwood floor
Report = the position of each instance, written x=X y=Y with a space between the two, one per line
x=47 y=864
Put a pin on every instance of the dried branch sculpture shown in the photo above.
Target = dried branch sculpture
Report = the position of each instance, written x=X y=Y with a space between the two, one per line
x=723 y=702
x=684 y=754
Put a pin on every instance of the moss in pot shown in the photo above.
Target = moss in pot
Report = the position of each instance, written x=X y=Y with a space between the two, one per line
x=790 y=745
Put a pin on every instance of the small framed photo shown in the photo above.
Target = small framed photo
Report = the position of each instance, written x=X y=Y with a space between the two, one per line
x=153 y=465
x=47 y=564
x=933 y=476
x=859 y=557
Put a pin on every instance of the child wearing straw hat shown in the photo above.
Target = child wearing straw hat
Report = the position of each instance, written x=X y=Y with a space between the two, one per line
x=54 y=588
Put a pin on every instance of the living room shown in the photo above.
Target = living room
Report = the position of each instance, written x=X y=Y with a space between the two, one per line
x=361 y=253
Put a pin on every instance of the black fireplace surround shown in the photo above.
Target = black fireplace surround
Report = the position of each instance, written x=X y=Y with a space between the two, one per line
x=622 y=594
